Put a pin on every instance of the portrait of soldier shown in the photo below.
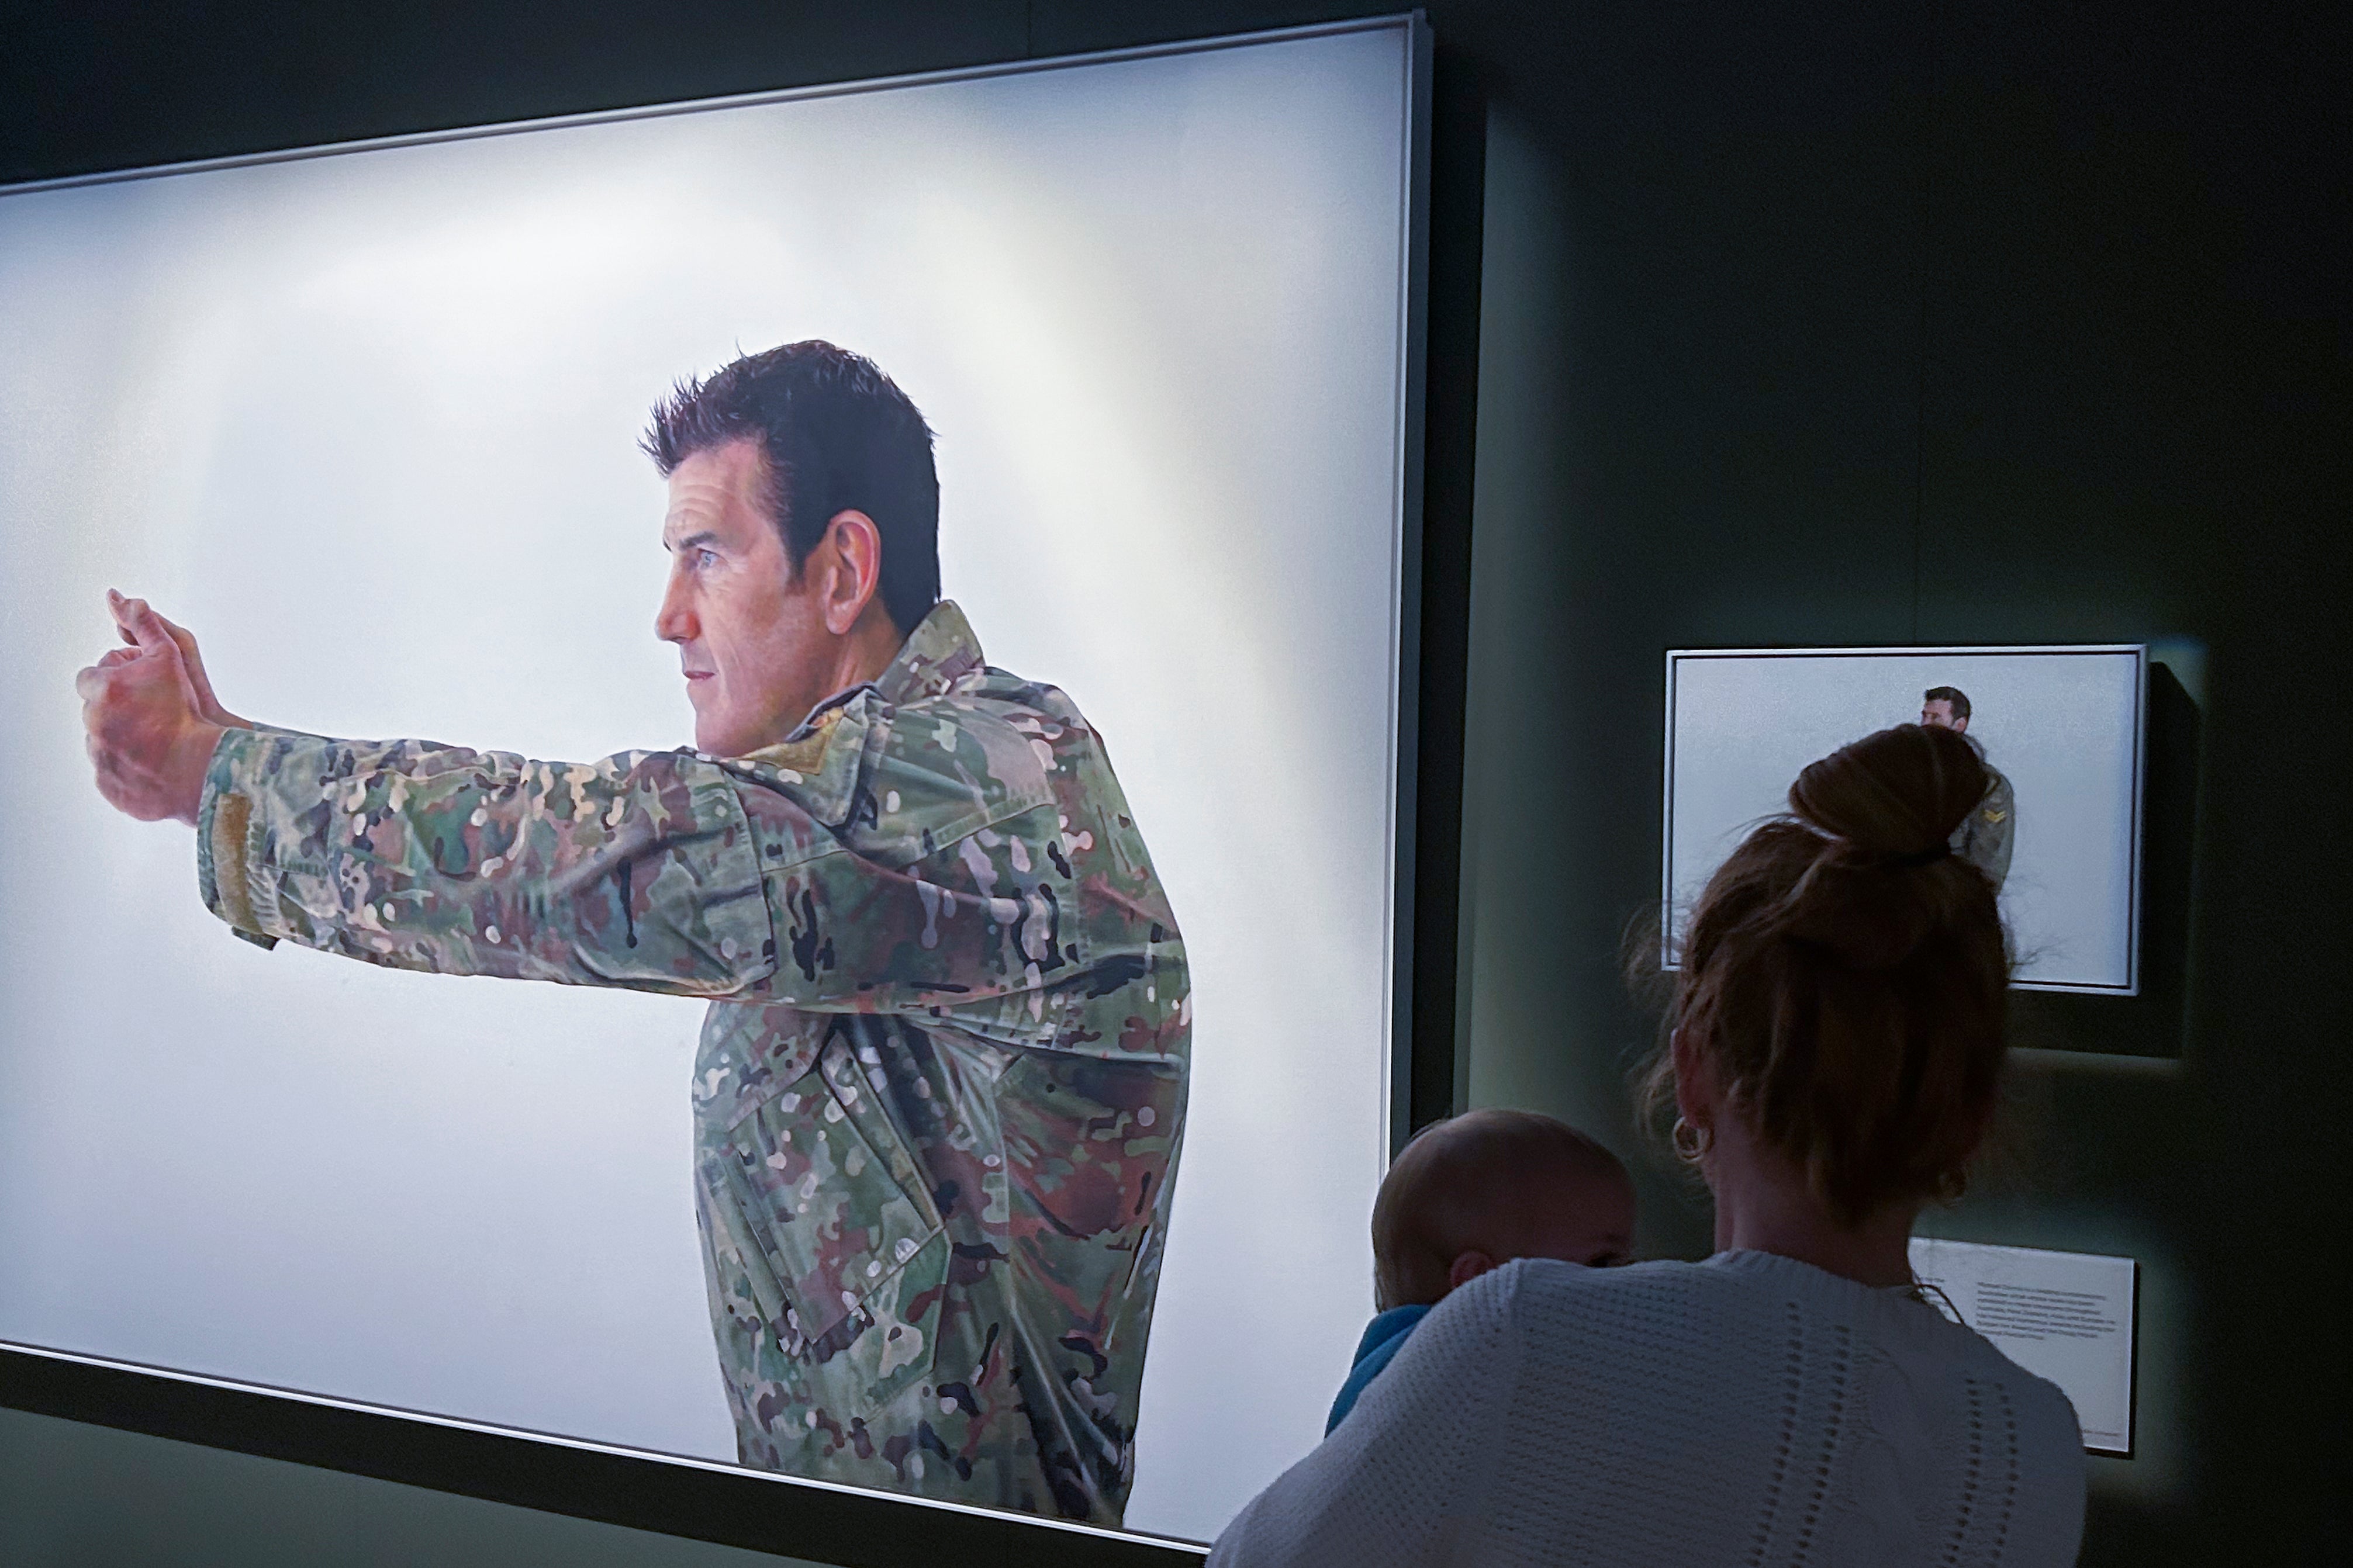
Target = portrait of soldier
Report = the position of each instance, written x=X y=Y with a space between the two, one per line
x=941 y=1083
x=1985 y=835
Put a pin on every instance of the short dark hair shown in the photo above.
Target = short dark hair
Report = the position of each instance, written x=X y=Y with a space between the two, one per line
x=838 y=435
x=1953 y=696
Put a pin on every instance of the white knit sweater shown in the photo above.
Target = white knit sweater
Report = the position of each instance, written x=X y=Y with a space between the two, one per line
x=1745 y=1412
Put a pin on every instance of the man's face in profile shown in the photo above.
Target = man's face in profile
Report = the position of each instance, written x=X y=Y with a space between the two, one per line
x=751 y=643
x=1940 y=714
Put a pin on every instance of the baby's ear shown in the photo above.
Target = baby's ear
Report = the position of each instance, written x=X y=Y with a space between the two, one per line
x=1467 y=1265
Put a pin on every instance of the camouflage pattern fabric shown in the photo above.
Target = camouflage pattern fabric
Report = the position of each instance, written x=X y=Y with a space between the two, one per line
x=941 y=1081
x=1985 y=835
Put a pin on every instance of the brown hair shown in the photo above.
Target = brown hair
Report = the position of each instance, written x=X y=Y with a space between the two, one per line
x=1467 y=1182
x=1847 y=975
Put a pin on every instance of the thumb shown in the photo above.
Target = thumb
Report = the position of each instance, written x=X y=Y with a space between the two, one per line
x=151 y=634
x=146 y=629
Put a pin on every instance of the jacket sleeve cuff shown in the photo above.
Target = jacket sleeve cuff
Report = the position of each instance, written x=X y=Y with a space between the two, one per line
x=225 y=852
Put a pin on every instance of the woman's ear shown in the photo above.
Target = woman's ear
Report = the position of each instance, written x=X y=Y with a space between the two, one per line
x=1695 y=1092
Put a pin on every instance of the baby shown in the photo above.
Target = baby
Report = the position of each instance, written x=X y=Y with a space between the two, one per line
x=1473 y=1191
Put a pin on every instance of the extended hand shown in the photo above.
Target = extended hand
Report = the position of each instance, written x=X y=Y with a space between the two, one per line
x=151 y=718
x=127 y=616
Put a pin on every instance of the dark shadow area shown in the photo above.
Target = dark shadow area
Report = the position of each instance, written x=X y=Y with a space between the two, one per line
x=74 y=1495
x=121 y=84
x=729 y=1508
x=1458 y=186
x=2153 y=1022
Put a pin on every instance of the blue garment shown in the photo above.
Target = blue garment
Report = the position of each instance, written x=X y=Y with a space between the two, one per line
x=1383 y=1336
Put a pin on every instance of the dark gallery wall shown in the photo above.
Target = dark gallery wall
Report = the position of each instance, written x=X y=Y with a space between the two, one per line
x=1916 y=328
x=1865 y=324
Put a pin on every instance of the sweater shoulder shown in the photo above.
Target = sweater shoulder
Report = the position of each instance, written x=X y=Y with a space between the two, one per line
x=1538 y=1287
x=1731 y=1299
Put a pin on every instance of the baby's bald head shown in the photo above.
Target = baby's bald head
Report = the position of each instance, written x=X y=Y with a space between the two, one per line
x=1487 y=1186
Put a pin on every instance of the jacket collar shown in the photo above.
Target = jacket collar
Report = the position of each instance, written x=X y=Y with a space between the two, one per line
x=940 y=651
x=818 y=762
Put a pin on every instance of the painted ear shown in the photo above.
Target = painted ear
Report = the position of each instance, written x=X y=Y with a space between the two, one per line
x=858 y=552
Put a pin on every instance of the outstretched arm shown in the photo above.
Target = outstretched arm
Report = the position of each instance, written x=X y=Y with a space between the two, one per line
x=660 y=871
x=633 y=872
x=629 y=872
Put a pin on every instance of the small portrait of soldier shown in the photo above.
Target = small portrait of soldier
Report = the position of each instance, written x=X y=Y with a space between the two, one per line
x=1985 y=835
x=941 y=1083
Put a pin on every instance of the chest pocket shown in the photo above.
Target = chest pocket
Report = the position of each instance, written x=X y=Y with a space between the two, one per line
x=837 y=1230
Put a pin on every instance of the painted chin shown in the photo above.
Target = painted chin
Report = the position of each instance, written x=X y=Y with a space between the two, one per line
x=702 y=697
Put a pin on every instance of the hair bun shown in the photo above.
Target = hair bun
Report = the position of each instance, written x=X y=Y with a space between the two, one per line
x=1887 y=807
x=1858 y=912
x=1899 y=793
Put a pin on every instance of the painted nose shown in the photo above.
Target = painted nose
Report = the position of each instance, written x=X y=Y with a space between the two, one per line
x=674 y=621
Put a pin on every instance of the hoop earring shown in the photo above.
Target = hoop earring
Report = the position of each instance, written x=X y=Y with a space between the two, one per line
x=1692 y=1144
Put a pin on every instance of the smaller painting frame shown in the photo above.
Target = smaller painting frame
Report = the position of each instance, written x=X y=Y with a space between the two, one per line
x=2136 y=795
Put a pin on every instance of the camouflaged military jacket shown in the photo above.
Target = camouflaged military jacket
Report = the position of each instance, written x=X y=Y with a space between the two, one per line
x=942 y=1080
x=1986 y=835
